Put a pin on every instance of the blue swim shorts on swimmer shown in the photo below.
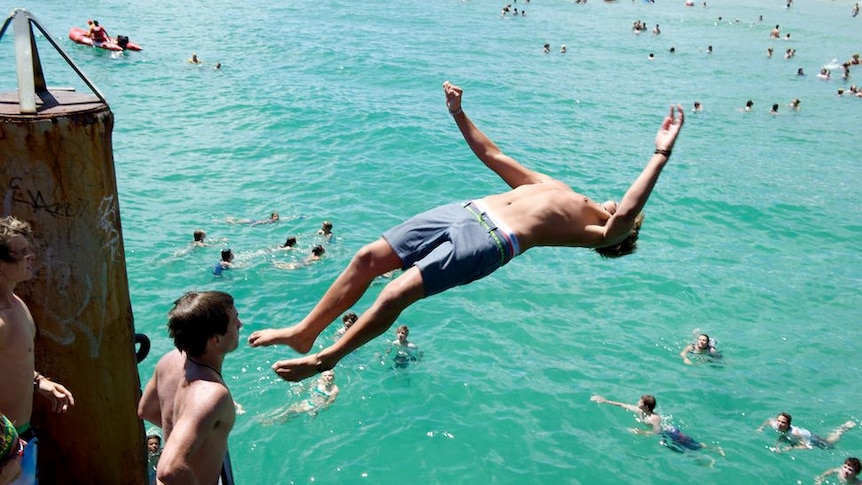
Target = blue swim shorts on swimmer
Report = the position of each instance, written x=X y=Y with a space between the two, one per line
x=678 y=441
x=452 y=245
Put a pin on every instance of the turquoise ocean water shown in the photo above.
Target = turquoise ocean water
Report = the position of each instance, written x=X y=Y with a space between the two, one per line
x=333 y=110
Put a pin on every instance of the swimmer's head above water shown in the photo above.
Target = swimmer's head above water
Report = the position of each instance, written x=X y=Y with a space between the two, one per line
x=783 y=421
x=851 y=468
x=702 y=342
x=647 y=403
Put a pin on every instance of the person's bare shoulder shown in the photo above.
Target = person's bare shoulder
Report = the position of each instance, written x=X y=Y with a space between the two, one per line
x=206 y=401
x=171 y=361
x=654 y=420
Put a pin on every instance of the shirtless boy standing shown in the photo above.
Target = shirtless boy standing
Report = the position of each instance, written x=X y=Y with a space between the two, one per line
x=187 y=395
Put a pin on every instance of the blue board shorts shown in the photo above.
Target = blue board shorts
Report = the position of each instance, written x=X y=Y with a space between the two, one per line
x=452 y=245
x=677 y=440
x=28 y=464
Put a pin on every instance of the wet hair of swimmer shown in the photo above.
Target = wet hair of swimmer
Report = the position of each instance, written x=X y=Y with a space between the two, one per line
x=290 y=242
x=349 y=318
x=226 y=254
x=649 y=402
x=854 y=464
x=318 y=250
x=627 y=245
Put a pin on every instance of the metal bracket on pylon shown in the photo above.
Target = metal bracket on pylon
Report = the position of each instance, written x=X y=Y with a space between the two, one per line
x=31 y=79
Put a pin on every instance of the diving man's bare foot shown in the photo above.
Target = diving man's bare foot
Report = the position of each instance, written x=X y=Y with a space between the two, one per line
x=281 y=336
x=296 y=369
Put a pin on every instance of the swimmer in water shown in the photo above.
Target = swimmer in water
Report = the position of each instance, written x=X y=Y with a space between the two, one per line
x=199 y=238
x=316 y=254
x=273 y=218
x=347 y=321
x=671 y=436
x=198 y=241
x=154 y=452
x=405 y=351
x=796 y=438
x=776 y=33
x=225 y=263
x=289 y=243
x=703 y=345
x=321 y=395
x=325 y=230
x=848 y=473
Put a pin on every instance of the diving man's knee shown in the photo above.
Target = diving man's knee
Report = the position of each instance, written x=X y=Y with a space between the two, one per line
x=364 y=260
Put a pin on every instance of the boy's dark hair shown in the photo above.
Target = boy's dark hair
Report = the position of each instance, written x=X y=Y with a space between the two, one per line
x=854 y=463
x=627 y=245
x=649 y=402
x=349 y=317
x=196 y=317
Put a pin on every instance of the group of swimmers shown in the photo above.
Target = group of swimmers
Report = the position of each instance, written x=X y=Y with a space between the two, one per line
x=825 y=73
x=509 y=9
x=226 y=260
x=194 y=59
x=789 y=437
x=321 y=393
x=639 y=26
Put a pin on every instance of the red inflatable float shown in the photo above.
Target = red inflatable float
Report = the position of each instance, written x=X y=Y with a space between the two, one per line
x=119 y=43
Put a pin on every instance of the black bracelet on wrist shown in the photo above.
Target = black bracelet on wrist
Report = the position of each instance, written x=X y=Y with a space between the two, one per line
x=665 y=153
x=37 y=380
x=457 y=112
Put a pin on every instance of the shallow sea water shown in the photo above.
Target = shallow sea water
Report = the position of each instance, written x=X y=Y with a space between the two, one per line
x=333 y=110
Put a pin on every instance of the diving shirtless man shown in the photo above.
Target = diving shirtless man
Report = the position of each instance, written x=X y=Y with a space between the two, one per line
x=459 y=243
